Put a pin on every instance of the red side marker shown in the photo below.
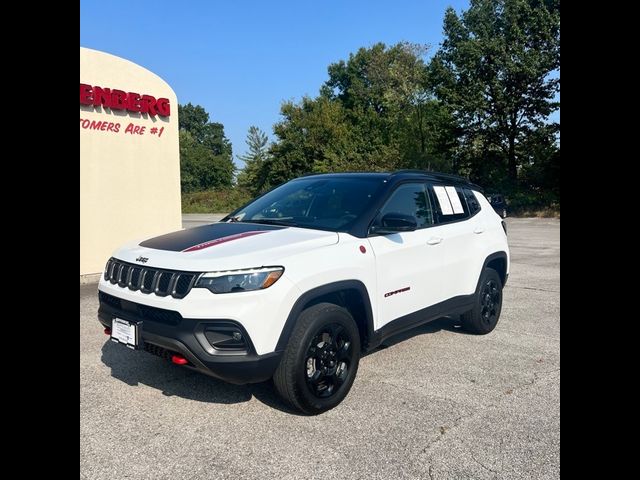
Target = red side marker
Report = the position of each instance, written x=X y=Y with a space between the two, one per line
x=362 y=249
x=107 y=331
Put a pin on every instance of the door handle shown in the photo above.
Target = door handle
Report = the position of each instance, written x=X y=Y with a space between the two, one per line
x=434 y=240
x=479 y=229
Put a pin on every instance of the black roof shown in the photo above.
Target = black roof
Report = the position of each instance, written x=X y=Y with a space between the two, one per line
x=400 y=175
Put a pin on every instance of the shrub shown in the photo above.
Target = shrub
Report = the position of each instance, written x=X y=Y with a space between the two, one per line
x=223 y=200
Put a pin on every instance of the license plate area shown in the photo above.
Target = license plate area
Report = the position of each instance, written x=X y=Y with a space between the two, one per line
x=125 y=332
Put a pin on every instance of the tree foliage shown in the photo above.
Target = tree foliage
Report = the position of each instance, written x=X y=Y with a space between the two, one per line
x=205 y=153
x=480 y=107
x=496 y=72
x=251 y=176
x=374 y=113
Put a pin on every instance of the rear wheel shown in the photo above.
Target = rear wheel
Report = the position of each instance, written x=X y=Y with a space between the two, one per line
x=484 y=315
x=321 y=360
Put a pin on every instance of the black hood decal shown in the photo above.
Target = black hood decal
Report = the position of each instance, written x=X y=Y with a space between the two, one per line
x=186 y=240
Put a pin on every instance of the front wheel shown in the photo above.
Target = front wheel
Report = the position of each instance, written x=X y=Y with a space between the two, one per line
x=320 y=362
x=484 y=315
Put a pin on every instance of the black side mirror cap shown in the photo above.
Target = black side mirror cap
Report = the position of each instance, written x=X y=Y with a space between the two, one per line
x=394 y=223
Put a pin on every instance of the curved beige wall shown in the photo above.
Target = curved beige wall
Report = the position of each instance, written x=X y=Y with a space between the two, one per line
x=129 y=184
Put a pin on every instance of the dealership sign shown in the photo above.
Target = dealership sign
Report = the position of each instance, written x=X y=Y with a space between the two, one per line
x=120 y=100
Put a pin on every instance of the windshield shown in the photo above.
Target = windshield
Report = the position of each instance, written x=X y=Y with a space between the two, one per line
x=323 y=203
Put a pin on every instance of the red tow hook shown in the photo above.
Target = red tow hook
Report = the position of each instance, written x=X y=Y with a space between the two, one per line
x=107 y=331
x=179 y=359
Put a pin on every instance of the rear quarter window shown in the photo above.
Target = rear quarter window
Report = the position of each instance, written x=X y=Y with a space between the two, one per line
x=451 y=203
x=472 y=201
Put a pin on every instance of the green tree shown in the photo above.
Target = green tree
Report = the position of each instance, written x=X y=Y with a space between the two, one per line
x=375 y=112
x=540 y=169
x=205 y=153
x=497 y=73
x=200 y=168
x=314 y=136
x=252 y=175
x=387 y=94
x=385 y=79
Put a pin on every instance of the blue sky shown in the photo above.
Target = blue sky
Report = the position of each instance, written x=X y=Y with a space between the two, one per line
x=241 y=59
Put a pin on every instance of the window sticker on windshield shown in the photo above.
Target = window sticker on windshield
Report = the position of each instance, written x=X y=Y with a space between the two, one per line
x=443 y=200
x=455 y=200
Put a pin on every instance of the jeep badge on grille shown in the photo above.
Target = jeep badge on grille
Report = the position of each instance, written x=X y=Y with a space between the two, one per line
x=142 y=259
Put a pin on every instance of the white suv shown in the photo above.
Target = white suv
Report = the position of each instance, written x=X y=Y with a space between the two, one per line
x=297 y=284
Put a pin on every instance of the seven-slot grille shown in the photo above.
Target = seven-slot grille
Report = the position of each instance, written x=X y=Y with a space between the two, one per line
x=148 y=279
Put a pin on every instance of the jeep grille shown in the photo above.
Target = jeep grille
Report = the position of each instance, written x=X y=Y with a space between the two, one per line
x=148 y=279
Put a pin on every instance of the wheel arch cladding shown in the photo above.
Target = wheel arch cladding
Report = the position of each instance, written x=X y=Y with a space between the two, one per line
x=498 y=262
x=349 y=294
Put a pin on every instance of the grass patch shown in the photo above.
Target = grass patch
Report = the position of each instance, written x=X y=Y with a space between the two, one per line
x=214 y=201
x=548 y=212
x=537 y=204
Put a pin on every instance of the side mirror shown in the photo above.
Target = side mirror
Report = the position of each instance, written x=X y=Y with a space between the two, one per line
x=394 y=223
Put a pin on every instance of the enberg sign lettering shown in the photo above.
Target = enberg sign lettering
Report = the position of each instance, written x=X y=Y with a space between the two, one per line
x=120 y=100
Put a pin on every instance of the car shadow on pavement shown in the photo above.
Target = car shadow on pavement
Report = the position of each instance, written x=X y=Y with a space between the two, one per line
x=137 y=367
x=450 y=324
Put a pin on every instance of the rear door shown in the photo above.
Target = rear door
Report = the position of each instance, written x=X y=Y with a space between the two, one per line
x=408 y=264
x=462 y=235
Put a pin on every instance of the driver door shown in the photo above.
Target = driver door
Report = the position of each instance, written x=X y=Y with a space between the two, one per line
x=408 y=264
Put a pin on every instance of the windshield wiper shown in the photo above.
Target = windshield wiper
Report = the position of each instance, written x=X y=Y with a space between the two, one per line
x=272 y=221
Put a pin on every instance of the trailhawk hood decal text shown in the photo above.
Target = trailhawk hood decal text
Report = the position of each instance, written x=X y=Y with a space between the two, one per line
x=218 y=241
x=205 y=236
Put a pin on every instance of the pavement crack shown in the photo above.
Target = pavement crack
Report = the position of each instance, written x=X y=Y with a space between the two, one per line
x=495 y=472
x=532 y=335
x=533 y=288
x=538 y=375
x=458 y=421
x=532 y=381
x=444 y=429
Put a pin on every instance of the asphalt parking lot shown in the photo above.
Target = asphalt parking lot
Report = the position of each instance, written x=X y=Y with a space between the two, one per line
x=438 y=404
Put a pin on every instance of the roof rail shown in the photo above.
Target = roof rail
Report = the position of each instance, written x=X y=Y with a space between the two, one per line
x=441 y=176
x=435 y=174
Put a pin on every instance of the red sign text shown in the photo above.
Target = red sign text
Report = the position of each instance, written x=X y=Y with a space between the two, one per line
x=120 y=100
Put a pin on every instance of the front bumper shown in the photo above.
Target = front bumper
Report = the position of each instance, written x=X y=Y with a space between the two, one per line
x=165 y=332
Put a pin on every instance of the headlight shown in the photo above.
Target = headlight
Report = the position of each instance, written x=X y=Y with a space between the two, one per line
x=240 y=280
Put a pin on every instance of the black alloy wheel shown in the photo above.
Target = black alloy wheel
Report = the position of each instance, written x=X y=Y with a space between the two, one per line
x=490 y=302
x=320 y=363
x=328 y=360
x=484 y=315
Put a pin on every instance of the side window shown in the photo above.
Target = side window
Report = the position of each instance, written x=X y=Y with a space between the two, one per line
x=472 y=201
x=451 y=204
x=410 y=199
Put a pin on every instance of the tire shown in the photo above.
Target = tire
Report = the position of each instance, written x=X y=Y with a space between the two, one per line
x=484 y=315
x=321 y=360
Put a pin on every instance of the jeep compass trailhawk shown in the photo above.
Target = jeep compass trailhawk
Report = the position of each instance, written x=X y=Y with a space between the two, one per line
x=297 y=284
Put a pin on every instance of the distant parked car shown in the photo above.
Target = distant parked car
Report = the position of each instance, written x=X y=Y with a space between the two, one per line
x=499 y=204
